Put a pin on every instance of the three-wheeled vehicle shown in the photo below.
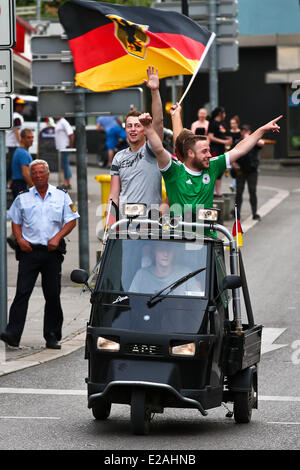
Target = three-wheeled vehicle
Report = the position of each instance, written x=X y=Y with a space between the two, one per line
x=166 y=327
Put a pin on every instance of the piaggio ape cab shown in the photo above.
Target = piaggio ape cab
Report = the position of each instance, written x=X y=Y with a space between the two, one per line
x=166 y=327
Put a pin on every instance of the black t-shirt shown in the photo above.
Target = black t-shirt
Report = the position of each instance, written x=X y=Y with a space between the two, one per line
x=219 y=131
x=236 y=136
x=250 y=161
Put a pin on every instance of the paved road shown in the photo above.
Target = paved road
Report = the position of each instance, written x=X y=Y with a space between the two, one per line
x=44 y=407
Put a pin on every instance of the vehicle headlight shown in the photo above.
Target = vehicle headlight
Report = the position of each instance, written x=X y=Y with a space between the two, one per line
x=183 y=349
x=135 y=210
x=105 y=344
x=208 y=215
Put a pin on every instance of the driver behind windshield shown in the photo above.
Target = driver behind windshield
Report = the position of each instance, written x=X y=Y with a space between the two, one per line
x=162 y=272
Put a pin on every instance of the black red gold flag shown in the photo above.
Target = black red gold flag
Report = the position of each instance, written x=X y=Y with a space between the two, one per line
x=112 y=45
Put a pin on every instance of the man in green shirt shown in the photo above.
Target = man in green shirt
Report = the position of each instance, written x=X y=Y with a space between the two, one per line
x=192 y=182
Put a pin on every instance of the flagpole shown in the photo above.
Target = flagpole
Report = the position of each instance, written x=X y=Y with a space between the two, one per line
x=209 y=43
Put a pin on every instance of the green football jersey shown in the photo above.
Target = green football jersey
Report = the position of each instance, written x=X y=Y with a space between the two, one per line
x=187 y=187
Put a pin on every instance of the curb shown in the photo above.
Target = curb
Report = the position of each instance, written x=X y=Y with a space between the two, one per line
x=46 y=355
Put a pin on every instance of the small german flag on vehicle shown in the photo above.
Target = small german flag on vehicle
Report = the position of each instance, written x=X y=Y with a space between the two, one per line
x=112 y=45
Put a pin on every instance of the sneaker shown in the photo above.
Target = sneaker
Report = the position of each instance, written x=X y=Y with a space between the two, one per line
x=256 y=217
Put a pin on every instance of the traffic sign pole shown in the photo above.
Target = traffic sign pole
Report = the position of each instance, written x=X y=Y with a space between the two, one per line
x=213 y=61
x=3 y=250
x=7 y=41
x=80 y=114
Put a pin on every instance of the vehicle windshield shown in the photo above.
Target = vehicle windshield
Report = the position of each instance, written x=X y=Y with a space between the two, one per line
x=147 y=266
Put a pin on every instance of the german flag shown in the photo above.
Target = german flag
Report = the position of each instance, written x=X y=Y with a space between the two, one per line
x=112 y=45
x=237 y=232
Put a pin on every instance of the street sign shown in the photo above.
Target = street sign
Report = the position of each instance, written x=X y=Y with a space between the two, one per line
x=7 y=23
x=6 y=112
x=200 y=10
x=6 y=71
x=227 y=57
x=226 y=28
x=62 y=103
x=48 y=45
x=52 y=72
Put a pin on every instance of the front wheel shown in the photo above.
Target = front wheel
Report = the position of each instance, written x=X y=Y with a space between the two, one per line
x=140 y=413
x=101 y=411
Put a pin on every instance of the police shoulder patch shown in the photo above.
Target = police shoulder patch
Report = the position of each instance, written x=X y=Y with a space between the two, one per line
x=73 y=208
x=23 y=192
x=62 y=189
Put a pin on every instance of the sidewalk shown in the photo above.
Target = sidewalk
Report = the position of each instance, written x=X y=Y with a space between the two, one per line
x=76 y=304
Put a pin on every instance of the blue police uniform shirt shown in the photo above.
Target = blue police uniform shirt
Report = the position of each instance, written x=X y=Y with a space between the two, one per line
x=41 y=219
x=20 y=157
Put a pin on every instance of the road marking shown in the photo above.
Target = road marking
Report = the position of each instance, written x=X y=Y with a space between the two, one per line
x=269 y=335
x=52 y=391
x=42 y=391
x=30 y=417
x=283 y=422
x=263 y=210
x=277 y=398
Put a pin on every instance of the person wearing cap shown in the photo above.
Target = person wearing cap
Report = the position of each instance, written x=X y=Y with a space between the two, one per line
x=13 y=138
x=247 y=171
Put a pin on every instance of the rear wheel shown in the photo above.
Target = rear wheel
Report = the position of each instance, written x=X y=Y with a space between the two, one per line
x=101 y=410
x=140 y=413
x=243 y=405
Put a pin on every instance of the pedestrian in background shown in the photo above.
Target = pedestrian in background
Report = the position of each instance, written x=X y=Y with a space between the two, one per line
x=247 y=171
x=114 y=131
x=13 y=138
x=21 y=160
x=200 y=127
x=21 y=178
x=219 y=139
x=235 y=134
x=64 y=139
x=41 y=217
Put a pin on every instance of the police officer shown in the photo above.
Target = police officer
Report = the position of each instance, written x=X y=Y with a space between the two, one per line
x=41 y=217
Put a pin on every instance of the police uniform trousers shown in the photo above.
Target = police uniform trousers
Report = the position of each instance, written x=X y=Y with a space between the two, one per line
x=48 y=263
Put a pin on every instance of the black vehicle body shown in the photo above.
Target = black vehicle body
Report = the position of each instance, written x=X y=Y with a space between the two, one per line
x=220 y=352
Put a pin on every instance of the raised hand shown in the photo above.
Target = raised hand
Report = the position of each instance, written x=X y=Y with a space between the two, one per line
x=145 y=119
x=175 y=108
x=272 y=125
x=153 y=79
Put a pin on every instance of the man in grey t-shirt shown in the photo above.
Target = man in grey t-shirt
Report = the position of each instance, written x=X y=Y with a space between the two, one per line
x=135 y=176
x=139 y=175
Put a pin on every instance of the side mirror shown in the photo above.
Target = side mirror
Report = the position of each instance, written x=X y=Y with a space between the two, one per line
x=80 y=276
x=231 y=281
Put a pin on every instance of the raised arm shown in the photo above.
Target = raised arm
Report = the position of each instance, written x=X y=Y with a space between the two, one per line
x=162 y=156
x=176 y=120
x=245 y=145
x=157 y=111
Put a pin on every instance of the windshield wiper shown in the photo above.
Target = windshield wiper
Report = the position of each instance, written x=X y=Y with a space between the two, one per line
x=172 y=286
